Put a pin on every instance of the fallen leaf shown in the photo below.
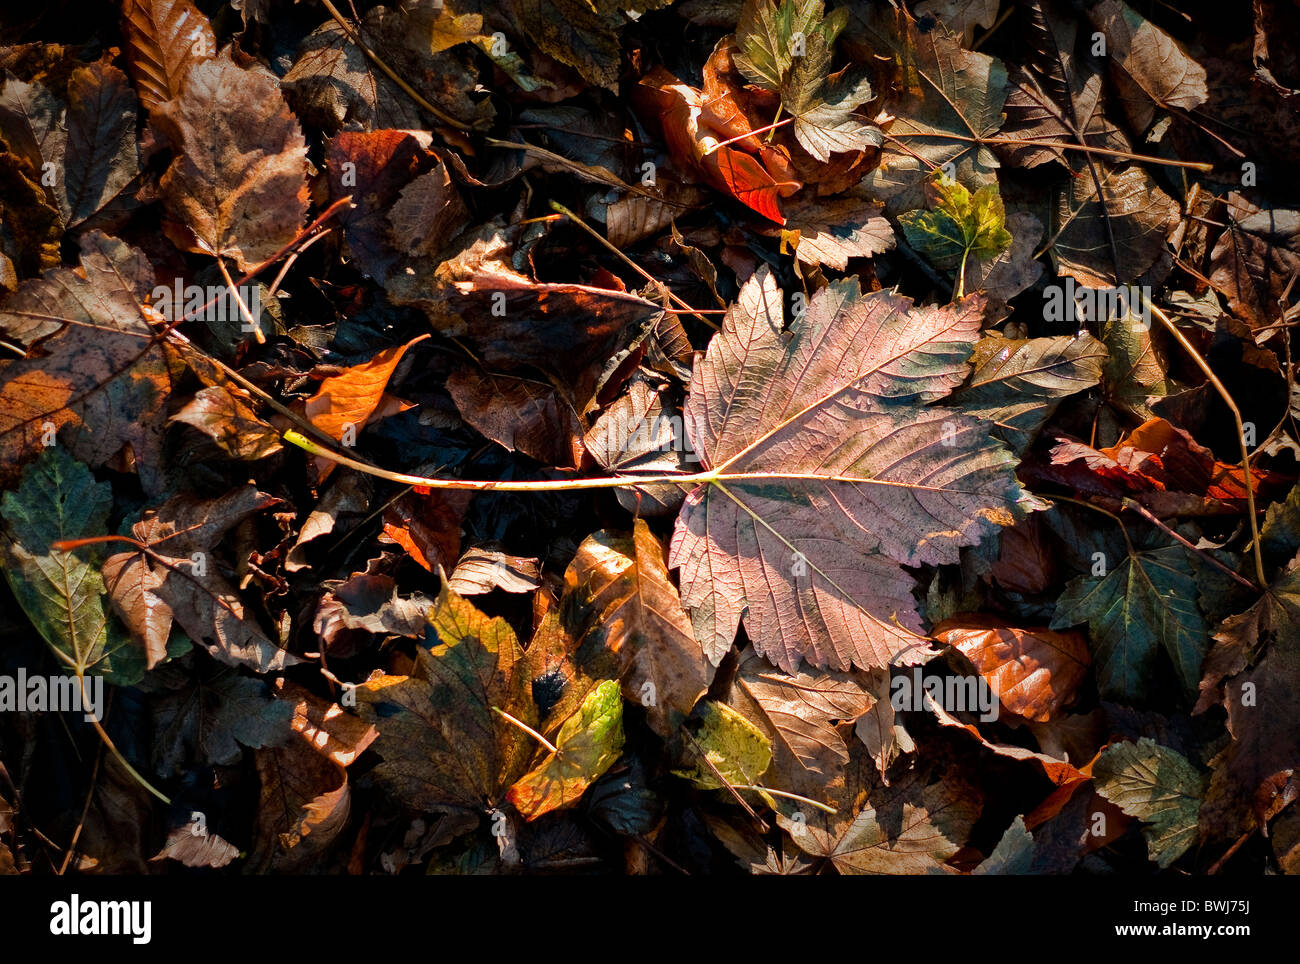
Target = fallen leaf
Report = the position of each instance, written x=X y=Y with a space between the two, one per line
x=1033 y=672
x=62 y=592
x=793 y=539
x=238 y=185
x=164 y=39
x=1156 y=785
x=624 y=610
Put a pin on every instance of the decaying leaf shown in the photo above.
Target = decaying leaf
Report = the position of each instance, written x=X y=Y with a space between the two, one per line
x=1157 y=785
x=238 y=185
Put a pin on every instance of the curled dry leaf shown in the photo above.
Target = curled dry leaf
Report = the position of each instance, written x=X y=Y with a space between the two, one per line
x=178 y=577
x=165 y=38
x=482 y=570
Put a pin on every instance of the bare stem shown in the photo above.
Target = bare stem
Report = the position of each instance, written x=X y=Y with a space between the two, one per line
x=243 y=308
x=475 y=485
x=112 y=747
x=789 y=796
x=392 y=74
x=1204 y=366
x=770 y=128
x=555 y=205
x=528 y=729
x=1151 y=517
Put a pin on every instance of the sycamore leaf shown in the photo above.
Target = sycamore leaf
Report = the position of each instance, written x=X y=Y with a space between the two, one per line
x=736 y=748
x=1058 y=98
x=208 y=716
x=579 y=334
x=766 y=35
x=62 y=592
x=907 y=827
x=832 y=230
x=642 y=433
x=798 y=713
x=587 y=744
x=786 y=49
x=1242 y=638
x=830 y=471
x=1017 y=384
x=948 y=102
x=238 y=184
x=958 y=225
x=1144 y=604
x=1158 y=786
x=443 y=744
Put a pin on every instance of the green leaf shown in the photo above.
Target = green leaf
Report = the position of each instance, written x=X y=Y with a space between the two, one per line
x=1279 y=537
x=445 y=743
x=1133 y=372
x=958 y=225
x=765 y=36
x=1017 y=384
x=1145 y=604
x=588 y=744
x=737 y=749
x=1159 y=787
x=63 y=592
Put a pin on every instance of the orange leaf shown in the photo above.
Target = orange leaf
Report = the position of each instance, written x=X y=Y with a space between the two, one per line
x=351 y=398
x=1033 y=671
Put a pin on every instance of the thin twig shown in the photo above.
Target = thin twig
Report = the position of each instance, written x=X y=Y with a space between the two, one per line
x=392 y=74
x=1151 y=517
x=1241 y=431
x=90 y=795
x=725 y=782
x=243 y=308
x=555 y=205
x=529 y=730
